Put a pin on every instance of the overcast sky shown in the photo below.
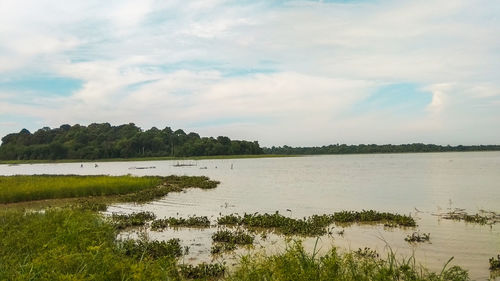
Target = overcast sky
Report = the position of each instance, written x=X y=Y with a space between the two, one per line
x=281 y=72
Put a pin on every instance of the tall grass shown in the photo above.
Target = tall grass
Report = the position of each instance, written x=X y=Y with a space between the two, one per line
x=71 y=244
x=75 y=244
x=37 y=187
x=297 y=264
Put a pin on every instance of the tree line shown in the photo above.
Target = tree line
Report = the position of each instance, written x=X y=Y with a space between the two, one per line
x=102 y=141
x=374 y=148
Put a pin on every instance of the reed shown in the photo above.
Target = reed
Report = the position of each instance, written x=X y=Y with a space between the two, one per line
x=297 y=264
x=128 y=188
x=38 y=187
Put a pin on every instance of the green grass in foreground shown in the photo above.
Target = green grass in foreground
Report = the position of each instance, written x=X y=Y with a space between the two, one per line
x=138 y=189
x=75 y=244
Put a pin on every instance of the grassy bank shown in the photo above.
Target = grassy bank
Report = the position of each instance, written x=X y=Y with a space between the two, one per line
x=249 y=156
x=73 y=244
x=39 y=187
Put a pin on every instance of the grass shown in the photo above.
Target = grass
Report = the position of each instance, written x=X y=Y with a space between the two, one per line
x=122 y=221
x=72 y=244
x=417 y=237
x=238 y=237
x=202 y=271
x=77 y=244
x=38 y=187
x=125 y=188
x=316 y=224
x=193 y=221
x=297 y=264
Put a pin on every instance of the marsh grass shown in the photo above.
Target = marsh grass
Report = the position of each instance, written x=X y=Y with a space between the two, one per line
x=418 y=237
x=77 y=244
x=297 y=264
x=238 y=237
x=314 y=225
x=203 y=271
x=38 y=187
x=192 y=221
x=123 y=188
x=122 y=221
x=72 y=244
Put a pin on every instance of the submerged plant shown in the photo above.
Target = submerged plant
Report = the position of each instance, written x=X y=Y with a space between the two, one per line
x=495 y=263
x=417 y=237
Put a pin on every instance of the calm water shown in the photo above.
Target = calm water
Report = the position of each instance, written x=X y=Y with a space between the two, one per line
x=417 y=184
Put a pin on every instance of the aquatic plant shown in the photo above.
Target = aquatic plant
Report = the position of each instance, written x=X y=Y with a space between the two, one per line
x=192 y=221
x=459 y=215
x=495 y=263
x=237 y=237
x=202 y=271
x=366 y=253
x=121 y=221
x=297 y=264
x=36 y=187
x=417 y=237
x=315 y=224
x=76 y=244
x=371 y=216
x=219 y=248
x=153 y=249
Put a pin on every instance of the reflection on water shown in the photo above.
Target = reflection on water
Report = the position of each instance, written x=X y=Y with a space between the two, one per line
x=420 y=184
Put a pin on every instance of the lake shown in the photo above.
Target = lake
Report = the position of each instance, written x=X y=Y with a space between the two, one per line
x=422 y=185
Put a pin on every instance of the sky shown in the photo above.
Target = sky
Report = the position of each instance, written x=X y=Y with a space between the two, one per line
x=300 y=73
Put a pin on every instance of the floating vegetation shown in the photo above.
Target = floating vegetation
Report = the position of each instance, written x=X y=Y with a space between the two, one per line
x=417 y=237
x=237 y=237
x=313 y=225
x=219 y=248
x=483 y=217
x=122 y=221
x=366 y=253
x=202 y=271
x=153 y=249
x=495 y=263
x=194 y=221
x=369 y=216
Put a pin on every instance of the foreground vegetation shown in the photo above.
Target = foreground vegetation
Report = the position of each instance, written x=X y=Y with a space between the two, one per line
x=75 y=244
x=127 y=188
x=296 y=264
